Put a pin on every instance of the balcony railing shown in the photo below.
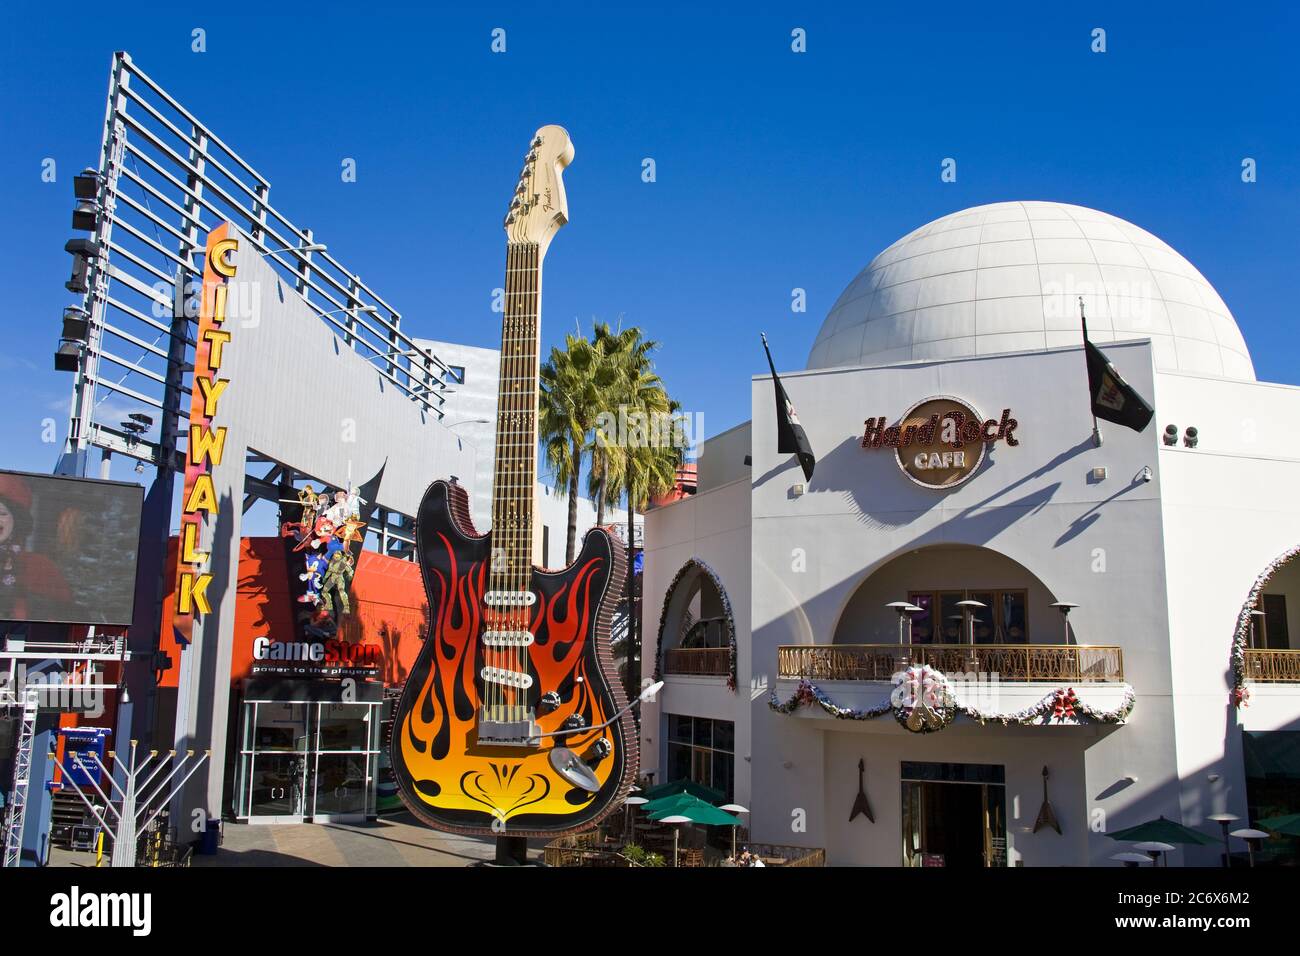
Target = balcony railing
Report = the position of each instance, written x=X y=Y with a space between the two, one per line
x=698 y=661
x=1273 y=666
x=1010 y=662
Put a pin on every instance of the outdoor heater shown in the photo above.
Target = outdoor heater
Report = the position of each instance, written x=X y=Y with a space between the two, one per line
x=1225 y=820
x=968 y=609
x=1251 y=836
x=1065 y=607
x=905 y=610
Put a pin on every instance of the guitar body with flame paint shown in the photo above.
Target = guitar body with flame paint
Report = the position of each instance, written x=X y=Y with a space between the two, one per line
x=461 y=760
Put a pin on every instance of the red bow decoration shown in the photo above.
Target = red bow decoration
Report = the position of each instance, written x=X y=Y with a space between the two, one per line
x=1063 y=708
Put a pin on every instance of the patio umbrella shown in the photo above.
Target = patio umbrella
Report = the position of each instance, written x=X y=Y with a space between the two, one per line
x=1287 y=824
x=685 y=786
x=1164 y=831
x=697 y=811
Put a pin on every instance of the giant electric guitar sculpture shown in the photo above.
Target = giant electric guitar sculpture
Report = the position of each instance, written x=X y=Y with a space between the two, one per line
x=504 y=726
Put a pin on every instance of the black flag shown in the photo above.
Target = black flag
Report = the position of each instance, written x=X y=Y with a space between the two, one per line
x=790 y=436
x=1113 y=399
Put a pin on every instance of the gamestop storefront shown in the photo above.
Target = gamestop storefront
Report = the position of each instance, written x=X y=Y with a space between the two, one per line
x=309 y=711
x=308 y=750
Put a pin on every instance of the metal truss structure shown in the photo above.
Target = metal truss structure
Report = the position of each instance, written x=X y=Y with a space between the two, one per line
x=79 y=659
x=163 y=181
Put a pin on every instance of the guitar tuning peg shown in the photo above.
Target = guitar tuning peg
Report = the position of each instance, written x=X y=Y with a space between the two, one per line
x=514 y=203
x=510 y=218
x=537 y=142
x=521 y=187
x=531 y=158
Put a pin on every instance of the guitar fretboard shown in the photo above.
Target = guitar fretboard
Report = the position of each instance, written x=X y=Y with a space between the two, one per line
x=516 y=437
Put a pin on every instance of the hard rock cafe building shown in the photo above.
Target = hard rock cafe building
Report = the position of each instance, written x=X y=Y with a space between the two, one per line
x=1001 y=638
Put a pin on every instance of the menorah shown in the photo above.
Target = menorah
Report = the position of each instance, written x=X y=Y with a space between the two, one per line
x=130 y=807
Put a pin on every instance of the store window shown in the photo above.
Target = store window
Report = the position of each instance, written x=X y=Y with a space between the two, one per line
x=1004 y=618
x=702 y=750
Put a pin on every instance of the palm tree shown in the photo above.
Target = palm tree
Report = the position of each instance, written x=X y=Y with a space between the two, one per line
x=574 y=387
x=611 y=373
x=627 y=354
x=643 y=463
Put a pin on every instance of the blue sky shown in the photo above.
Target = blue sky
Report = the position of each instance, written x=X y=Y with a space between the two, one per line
x=775 y=170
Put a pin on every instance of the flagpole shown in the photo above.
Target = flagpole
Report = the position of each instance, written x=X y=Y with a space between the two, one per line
x=1083 y=321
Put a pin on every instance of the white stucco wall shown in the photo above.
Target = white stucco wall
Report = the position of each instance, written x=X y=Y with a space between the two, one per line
x=1229 y=512
x=712 y=527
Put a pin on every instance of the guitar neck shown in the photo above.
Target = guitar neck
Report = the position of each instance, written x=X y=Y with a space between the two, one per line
x=516 y=438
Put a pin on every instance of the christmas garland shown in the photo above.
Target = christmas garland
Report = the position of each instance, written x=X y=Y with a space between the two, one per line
x=924 y=701
x=1241 y=639
x=695 y=564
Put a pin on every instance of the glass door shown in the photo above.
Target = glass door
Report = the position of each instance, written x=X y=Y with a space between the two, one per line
x=345 y=760
x=954 y=816
x=273 y=762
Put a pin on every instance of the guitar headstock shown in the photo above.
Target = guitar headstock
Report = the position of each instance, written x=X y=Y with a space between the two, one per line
x=538 y=208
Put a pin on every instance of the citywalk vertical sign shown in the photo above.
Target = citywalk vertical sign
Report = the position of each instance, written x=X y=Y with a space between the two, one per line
x=207 y=439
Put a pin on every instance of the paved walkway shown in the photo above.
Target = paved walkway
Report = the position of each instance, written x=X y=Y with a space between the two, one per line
x=393 y=840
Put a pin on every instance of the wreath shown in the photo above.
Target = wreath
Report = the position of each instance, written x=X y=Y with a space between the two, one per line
x=923 y=700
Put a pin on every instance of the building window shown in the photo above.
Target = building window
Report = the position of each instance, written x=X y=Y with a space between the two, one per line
x=1003 y=620
x=702 y=750
x=456 y=374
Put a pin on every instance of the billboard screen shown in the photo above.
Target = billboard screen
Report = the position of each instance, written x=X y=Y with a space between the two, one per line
x=67 y=548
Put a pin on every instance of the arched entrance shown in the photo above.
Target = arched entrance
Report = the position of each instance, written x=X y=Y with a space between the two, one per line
x=697 y=630
x=1266 y=644
x=1266 y=651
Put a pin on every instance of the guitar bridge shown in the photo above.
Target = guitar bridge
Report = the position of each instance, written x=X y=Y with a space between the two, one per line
x=523 y=732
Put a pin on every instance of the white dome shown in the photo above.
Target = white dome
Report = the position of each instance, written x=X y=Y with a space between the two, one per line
x=1006 y=277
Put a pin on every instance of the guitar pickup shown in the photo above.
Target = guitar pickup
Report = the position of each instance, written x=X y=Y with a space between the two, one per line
x=510 y=598
x=507 y=638
x=499 y=675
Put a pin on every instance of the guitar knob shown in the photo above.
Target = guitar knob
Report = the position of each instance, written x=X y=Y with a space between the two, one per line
x=549 y=702
x=574 y=722
x=602 y=748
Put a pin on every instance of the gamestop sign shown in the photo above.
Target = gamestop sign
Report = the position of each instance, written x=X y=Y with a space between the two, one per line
x=332 y=658
x=940 y=442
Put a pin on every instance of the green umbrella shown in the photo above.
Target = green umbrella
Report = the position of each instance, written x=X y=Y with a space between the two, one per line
x=1287 y=825
x=676 y=799
x=685 y=786
x=697 y=811
x=1164 y=831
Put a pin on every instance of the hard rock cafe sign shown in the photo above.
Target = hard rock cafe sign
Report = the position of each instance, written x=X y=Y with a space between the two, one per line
x=940 y=442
